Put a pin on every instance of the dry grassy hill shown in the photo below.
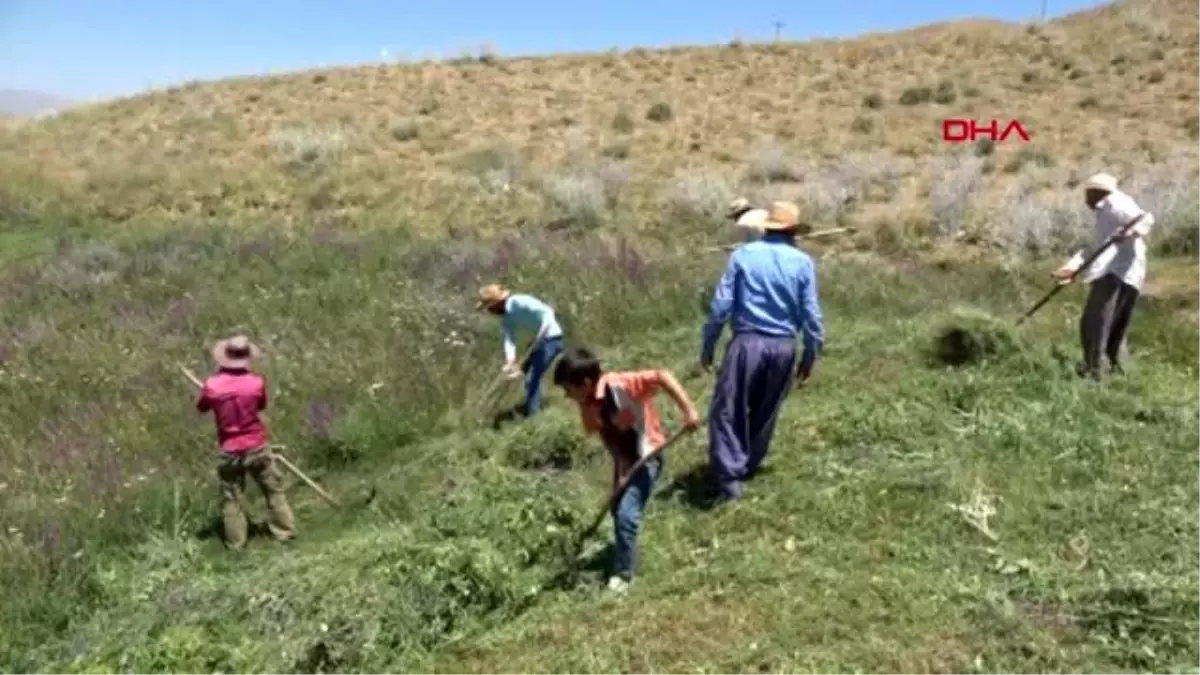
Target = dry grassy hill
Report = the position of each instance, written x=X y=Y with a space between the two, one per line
x=847 y=125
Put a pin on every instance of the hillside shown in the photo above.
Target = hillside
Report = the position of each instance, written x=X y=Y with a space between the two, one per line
x=994 y=516
x=851 y=125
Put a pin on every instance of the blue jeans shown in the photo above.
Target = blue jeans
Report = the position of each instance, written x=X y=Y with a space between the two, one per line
x=627 y=517
x=535 y=368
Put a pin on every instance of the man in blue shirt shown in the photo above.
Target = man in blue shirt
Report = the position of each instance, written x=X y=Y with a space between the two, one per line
x=769 y=293
x=525 y=314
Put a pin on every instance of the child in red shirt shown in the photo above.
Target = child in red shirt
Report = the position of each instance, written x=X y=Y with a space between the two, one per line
x=236 y=395
x=620 y=408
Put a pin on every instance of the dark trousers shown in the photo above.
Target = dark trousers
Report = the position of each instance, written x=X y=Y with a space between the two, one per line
x=535 y=368
x=1105 y=322
x=756 y=375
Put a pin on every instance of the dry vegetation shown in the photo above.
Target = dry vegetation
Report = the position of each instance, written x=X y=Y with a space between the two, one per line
x=852 y=126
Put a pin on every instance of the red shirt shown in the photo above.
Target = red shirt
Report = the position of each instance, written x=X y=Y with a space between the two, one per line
x=236 y=397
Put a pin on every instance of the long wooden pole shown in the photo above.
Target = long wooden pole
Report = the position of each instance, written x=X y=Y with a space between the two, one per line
x=616 y=495
x=1082 y=267
x=287 y=463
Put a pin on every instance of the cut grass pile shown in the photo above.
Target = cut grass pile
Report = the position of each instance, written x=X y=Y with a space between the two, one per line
x=967 y=336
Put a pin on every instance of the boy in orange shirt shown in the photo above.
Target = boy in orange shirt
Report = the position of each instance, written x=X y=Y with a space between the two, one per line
x=620 y=408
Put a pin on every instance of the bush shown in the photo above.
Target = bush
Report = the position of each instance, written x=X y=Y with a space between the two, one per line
x=952 y=192
x=704 y=195
x=916 y=95
x=771 y=163
x=945 y=93
x=660 y=112
x=622 y=122
x=405 y=130
x=305 y=147
x=862 y=125
x=1192 y=126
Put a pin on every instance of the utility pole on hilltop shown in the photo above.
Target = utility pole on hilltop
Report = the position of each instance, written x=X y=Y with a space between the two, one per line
x=1044 y=10
x=779 y=27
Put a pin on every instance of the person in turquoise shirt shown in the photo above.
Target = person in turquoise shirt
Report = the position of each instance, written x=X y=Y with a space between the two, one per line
x=525 y=314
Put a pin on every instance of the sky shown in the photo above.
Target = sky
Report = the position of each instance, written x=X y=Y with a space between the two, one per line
x=95 y=49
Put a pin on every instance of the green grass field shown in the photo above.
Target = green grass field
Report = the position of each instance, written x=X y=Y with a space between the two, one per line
x=1001 y=517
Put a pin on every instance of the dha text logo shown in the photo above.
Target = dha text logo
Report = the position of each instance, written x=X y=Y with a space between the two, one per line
x=968 y=131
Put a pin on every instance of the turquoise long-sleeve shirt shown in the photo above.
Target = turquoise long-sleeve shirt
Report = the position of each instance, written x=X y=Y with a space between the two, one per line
x=769 y=287
x=526 y=314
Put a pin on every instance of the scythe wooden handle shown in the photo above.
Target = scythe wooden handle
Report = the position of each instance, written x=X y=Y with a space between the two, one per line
x=616 y=496
x=287 y=463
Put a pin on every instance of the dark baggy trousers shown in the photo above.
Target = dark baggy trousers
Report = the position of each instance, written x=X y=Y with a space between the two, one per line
x=1105 y=323
x=756 y=375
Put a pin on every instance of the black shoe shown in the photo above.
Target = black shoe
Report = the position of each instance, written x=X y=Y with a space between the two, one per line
x=1116 y=369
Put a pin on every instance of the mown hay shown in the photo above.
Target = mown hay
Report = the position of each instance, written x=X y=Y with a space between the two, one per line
x=967 y=336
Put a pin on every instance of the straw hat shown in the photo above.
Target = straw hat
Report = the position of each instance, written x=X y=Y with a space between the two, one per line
x=1102 y=182
x=753 y=218
x=237 y=352
x=492 y=295
x=781 y=216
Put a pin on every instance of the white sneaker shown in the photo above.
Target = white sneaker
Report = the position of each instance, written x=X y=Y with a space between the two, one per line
x=617 y=584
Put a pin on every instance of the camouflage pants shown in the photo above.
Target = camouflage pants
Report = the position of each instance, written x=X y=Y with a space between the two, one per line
x=261 y=467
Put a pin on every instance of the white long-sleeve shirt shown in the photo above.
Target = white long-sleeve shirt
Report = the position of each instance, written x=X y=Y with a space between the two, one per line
x=1125 y=260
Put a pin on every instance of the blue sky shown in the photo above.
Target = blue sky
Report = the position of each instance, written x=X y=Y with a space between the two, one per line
x=88 y=49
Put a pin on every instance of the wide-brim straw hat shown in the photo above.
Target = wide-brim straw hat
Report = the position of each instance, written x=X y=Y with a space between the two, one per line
x=236 y=352
x=492 y=295
x=782 y=216
x=753 y=218
x=1102 y=182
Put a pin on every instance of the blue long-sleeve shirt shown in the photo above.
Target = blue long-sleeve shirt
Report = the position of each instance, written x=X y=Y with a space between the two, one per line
x=768 y=287
x=526 y=313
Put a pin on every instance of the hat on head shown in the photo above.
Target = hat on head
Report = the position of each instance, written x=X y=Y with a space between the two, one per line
x=753 y=218
x=737 y=207
x=781 y=216
x=236 y=352
x=1102 y=182
x=491 y=295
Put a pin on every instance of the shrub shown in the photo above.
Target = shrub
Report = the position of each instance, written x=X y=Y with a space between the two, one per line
x=1049 y=224
x=770 y=162
x=945 y=93
x=303 y=147
x=704 y=194
x=874 y=101
x=622 y=122
x=951 y=194
x=916 y=95
x=1192 y=126
x=405 y=130
x=660 y=112
x=862 y=125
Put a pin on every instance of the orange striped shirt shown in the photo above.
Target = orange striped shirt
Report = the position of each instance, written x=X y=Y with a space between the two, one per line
x=634 y=392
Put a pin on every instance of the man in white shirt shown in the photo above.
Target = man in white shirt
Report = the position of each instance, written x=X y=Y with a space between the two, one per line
x=1116 y=276
x=747 y=219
